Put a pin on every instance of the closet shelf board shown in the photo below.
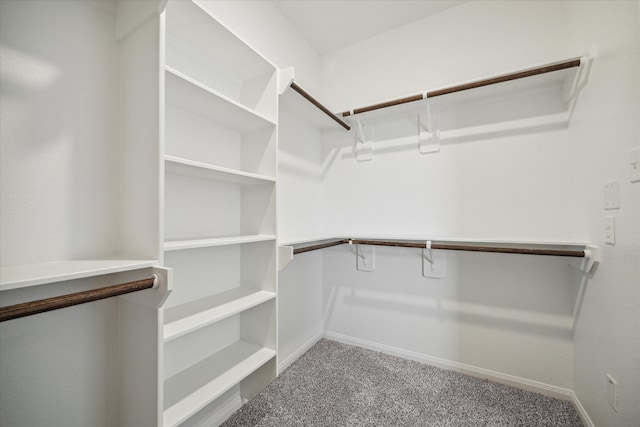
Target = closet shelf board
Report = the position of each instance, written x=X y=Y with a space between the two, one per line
x=468 y=92
x=300 y=239
x=50 y=272
x=185 y=318
x=176 y=245
x=205 y=37
x=195 y=387
x=191 y=95
x=180 y=166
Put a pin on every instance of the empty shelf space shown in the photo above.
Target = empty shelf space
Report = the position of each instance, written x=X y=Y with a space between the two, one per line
x=23 y=276
x=193 y=388
x=189 y=94
x=188 y=317
x=176 y=245
x=194 y=32
x=180 y=166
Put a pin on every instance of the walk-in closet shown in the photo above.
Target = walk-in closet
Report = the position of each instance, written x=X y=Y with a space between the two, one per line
x=319 y=213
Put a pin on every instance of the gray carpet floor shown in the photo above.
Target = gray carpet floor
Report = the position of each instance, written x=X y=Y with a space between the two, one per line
x=334 y=384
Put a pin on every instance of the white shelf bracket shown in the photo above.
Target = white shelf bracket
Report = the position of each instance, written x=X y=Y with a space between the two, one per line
x=365 y=258
x=432 y=262
x=285 y=256
x=428 y=134
x=591 y=258
x=363 y=145
x=579 y=81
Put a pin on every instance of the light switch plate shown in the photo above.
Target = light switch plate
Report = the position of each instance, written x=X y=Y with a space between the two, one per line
x=611 y=190
x=610 y=230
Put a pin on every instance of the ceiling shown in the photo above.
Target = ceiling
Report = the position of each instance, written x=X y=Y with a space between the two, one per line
x=332 y=24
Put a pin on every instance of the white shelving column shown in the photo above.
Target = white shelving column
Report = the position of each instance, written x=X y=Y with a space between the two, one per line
x=220 y=145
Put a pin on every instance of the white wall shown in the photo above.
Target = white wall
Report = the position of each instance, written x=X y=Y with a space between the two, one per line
x=59 y=196
x=606 y=126
x=59 y=131
x=506 y=313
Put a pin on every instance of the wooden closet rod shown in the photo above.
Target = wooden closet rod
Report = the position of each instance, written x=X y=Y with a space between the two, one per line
x=315 y=102
x=48 y=304
x=446 y=246
x=479 y=83
x=319 y=246
x=452 y=247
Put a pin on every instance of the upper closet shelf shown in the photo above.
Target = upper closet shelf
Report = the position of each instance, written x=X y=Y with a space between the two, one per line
x=191 y=95
x=177 y=245
x=180 y=166
x=199 y=46
x=589 y=253
x=531 y=99
x=563 y=74
x=51 y=272
x=300 y=103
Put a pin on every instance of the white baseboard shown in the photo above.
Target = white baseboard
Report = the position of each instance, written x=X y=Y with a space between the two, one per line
x=284 y=364
x=474 y=371
x=584 y=416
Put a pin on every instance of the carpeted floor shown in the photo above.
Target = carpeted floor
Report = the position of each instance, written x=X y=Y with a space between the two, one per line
x=334 y=384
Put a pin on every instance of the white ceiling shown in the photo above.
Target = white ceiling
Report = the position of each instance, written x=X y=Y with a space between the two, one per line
x=332 y=24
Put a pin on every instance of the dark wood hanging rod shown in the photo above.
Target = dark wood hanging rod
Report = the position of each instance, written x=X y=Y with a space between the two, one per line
x=315 y=102
x=319 y=246
x=447 y=246
x=54 y=303
x=479 y=83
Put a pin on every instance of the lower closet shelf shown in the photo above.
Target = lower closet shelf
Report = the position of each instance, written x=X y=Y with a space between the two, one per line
x=188 y=317
x=192 y=389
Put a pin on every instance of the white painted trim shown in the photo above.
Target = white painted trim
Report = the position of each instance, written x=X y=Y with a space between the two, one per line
x=299 y=352
x=584 y=416
x=474 y=371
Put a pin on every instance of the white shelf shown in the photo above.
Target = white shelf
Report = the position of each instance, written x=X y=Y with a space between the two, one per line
x=38 y=274
x=195 y=31
x=192 y=389
x=300 y=239
x=176 y=245
x=188 y=317
x=180 y=166
x=189 y=94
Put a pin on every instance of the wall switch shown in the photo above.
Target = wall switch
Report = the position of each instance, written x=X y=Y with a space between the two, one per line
x=610 y=230
x=634 y=164
x=612 y=392
x=611 y=191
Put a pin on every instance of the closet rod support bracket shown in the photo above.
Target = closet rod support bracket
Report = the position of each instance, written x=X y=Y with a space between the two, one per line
x=591 y=258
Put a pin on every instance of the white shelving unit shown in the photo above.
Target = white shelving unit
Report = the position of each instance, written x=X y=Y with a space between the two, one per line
x=219 y=216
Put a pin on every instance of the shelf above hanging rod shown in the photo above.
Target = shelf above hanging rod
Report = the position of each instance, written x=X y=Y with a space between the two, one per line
x=570 y=250
x=549 y=68
x=62 y=301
